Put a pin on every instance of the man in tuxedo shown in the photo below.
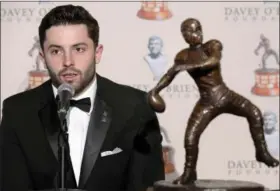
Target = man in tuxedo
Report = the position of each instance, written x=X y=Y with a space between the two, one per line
x=114 y=136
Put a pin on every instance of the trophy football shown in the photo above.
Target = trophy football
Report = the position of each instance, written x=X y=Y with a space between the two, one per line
x=202 y=62
x=154 y=10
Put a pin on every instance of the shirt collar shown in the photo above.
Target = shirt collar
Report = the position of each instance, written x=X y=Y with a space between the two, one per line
x=90 y=92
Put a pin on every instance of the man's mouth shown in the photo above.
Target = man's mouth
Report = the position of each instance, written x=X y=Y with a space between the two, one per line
x=69 y=76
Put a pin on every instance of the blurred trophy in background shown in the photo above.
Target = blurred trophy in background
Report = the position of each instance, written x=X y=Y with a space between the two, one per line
x=154 y=10
x=267 y=79
x=39 y=75
x=168 y=153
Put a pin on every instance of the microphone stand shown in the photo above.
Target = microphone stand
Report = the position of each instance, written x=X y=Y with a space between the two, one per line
x=63 y=151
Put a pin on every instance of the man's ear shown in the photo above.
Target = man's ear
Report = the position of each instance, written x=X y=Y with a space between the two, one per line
x=42 y=56
x=41 y=53
x=98 y=53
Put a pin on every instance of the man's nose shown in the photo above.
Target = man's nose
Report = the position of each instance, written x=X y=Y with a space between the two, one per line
x=68 y=60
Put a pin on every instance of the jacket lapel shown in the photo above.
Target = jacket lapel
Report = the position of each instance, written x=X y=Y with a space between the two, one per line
x=98 y=126
x=48 y=117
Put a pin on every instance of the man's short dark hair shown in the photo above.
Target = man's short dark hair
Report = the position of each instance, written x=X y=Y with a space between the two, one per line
x=69 y=14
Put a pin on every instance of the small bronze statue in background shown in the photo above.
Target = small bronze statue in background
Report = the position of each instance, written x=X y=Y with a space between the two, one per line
x=202 y=62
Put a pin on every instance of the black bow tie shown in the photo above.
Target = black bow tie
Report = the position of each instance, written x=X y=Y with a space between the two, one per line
x=83 y=104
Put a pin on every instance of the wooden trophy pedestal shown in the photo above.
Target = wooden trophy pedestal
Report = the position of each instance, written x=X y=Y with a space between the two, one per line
x=210 y=185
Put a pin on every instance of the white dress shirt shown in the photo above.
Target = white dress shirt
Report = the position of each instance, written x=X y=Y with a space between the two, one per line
x=78 y=121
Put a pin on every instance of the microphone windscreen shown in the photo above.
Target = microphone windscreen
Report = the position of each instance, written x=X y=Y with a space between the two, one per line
x=66 y=87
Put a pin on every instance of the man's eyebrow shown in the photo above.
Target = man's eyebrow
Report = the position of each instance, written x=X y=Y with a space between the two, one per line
x=80 y=43
x=53 y=46
x=75 y=45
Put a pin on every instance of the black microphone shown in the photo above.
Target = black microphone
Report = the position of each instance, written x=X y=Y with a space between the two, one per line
x=65 y=93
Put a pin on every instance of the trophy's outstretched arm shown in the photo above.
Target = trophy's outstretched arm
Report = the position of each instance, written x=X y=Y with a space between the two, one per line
x=169 y=76
x=166 y=79
x=154 y=98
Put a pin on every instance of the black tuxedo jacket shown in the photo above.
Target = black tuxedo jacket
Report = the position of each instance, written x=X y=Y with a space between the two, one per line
x=121 y=118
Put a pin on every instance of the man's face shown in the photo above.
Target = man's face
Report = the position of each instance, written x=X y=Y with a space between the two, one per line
x=155 y=46
x=70 y=55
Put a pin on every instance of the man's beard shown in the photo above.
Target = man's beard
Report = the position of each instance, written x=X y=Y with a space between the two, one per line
x=86 y=77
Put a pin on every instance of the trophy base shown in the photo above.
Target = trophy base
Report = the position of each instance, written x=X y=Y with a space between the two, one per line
x=36 y=78
x=203 y=185
x=163 y=15
x=265 y=91
x=267 y=82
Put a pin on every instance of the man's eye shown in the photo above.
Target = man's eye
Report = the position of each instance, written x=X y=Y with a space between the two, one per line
x=55 y=51
x=79 y=49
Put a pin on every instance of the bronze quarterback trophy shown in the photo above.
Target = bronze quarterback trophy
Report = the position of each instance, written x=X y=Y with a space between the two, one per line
x=202 y=62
